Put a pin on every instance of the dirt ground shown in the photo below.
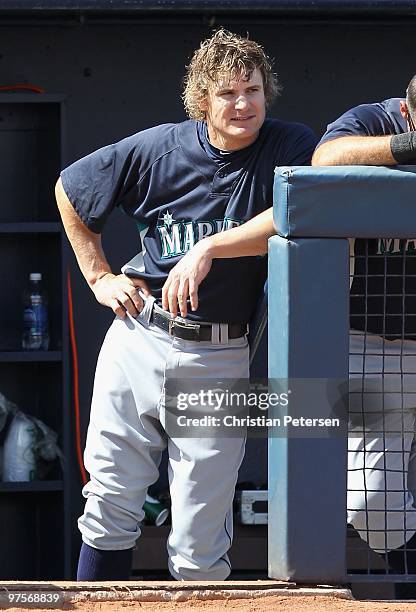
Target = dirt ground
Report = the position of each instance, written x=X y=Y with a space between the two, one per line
x=262 y=604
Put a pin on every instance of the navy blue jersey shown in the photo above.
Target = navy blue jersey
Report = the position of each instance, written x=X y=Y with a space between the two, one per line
x=383 y=292
x=179 y=189
x=378 y=119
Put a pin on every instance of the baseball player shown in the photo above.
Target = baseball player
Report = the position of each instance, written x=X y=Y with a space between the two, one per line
x=182 y=184
x=382 y=466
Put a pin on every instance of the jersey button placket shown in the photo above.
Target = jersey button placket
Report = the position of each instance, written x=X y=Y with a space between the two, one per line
x=220 y=183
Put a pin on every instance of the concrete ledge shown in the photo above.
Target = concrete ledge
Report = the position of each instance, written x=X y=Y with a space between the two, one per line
x=75 y=592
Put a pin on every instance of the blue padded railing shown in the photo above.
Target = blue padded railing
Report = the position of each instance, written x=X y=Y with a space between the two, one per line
x=315 y=210
x=345 y=201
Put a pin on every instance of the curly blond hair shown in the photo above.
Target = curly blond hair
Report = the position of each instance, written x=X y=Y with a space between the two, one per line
x=228 y=54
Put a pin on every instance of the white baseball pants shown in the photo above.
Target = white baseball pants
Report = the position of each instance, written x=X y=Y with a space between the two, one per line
x=381 y=444
x=125 y=440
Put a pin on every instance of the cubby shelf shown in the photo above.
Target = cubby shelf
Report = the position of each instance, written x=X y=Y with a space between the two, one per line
x=32 y=486
x=35 y=514
x=34 y=356
x=30 y=228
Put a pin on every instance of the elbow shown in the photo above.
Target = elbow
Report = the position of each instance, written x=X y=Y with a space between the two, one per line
x=316 y=159
x=322 y=157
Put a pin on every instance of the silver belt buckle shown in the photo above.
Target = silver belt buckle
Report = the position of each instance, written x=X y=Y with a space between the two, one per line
x=173 y=324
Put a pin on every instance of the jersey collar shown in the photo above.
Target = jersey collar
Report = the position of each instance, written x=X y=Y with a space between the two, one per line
x=207 y=163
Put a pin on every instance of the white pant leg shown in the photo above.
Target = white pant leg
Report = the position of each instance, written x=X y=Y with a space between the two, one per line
x=382 y=424
x=125 y=438
x=411 y=476
x=203 y=473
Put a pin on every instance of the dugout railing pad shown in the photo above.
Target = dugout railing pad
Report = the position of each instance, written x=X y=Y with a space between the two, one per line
x=315 y=210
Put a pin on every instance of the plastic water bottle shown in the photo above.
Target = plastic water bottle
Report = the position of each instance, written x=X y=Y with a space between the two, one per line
x=35 y=316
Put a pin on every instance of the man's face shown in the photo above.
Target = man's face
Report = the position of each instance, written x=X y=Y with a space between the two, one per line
x=235 y=111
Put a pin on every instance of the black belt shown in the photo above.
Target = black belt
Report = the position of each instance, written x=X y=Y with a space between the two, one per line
x=199 y=332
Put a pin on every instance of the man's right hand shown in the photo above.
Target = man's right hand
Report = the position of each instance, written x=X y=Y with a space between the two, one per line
x=120 y=293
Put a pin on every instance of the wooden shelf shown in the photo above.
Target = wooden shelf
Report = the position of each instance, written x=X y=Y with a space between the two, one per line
x=32 y=486
x=30 y=228
x=27 y=356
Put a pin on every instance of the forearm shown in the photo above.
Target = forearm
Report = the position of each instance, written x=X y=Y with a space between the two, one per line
x=248 y=239
x=355 y=150
x=85 y=243
x=185 y=277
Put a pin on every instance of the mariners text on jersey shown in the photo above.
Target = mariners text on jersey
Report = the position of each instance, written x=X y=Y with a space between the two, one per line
x=178 y=237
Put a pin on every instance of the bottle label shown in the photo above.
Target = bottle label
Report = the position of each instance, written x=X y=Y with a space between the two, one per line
x=35 y=319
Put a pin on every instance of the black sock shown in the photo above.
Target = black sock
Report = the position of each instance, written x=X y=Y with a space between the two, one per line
x=97 y=564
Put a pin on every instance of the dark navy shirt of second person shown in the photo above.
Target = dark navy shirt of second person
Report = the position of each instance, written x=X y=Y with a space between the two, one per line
x=179 y=189
x=383 y=292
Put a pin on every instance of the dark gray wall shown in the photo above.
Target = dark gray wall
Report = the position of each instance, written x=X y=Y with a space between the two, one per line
x=122 y=78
